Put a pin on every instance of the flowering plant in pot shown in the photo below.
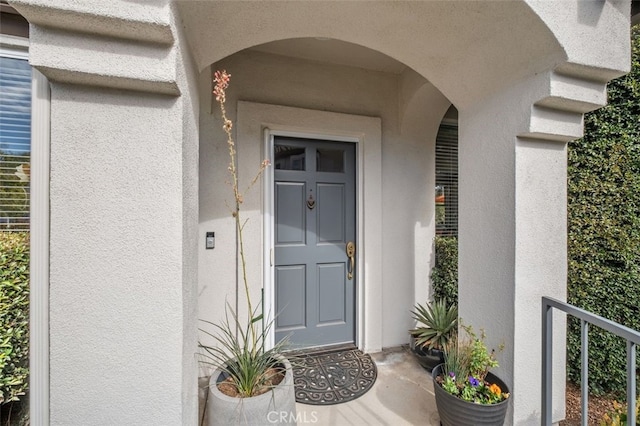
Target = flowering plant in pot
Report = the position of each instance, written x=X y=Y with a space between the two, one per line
x=436 y=325
x=466 y=392
x=251 y=384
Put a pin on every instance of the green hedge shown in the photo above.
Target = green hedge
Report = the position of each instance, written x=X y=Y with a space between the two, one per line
x=14 y=316
x=604 y=228
x=444 y=275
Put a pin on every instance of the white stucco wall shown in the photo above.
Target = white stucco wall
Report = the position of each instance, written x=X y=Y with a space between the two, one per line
x=187 y=79
x=519 y=253
x=407 y=213
x=107 y=251
x=594 y=35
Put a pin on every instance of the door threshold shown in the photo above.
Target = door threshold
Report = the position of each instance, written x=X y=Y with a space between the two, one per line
x=314 y=350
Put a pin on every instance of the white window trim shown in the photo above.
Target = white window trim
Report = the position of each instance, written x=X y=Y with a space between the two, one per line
x=39 y=269
x=18 y=47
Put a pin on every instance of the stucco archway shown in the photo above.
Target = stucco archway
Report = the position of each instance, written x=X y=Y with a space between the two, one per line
x=356 y=84
x=460 y=49
x=465 y=49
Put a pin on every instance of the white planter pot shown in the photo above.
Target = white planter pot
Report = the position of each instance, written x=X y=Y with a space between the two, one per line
x=275 y=407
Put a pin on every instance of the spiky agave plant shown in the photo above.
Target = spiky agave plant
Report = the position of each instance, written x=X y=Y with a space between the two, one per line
x=437 y=324
x=242 y=355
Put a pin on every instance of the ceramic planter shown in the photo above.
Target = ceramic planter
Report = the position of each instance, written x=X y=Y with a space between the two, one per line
x=277 y=406
x=453 y=411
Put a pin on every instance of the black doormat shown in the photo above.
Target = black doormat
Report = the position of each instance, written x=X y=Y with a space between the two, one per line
x=333 y=377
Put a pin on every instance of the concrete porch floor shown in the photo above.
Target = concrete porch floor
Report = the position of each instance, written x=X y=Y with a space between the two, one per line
x=402 y=395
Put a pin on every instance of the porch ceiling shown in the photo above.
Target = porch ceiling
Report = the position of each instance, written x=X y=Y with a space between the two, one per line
x=333 y=52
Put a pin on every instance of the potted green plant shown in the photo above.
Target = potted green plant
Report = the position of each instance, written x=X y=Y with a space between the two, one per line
x=467 y=394
x=250 y=384
x=436 y=325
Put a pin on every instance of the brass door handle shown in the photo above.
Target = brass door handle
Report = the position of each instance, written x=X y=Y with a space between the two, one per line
x=351 y=252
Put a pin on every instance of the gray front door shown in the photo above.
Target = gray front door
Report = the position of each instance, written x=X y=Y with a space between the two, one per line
x=314 y=221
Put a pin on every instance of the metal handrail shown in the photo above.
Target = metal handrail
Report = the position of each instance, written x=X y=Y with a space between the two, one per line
x=631 y=336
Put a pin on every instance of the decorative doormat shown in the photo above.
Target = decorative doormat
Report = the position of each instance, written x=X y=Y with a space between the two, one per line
x=333 y=377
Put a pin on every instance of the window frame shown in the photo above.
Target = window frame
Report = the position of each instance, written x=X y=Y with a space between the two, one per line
x=39 y=404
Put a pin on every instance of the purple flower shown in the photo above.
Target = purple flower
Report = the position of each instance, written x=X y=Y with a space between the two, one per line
x=473 y=381
x=452 y=374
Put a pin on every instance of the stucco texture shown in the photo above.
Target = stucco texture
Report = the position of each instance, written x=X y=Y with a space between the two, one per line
x=116 y=313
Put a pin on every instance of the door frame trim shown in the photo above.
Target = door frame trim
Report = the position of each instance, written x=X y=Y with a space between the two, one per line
x=256 y=124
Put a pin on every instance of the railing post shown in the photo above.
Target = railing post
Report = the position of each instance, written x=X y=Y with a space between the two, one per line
x=631 y=383
x=584 y=372
x=547 y=342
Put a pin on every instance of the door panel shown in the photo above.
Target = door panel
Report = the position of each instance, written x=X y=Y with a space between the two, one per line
x=331 y=213
x=291 y=224
x=314 y=219
x=290 y=293
x=331 y=287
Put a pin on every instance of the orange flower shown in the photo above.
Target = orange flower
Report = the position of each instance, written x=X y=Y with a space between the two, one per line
x=495 y=389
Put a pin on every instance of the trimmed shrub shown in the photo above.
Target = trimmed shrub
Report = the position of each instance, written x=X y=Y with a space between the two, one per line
x=444 y=275
x=604 y=229
x=14 y=316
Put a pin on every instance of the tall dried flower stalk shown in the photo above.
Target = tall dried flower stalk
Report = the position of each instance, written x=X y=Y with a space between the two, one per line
x=221 y=79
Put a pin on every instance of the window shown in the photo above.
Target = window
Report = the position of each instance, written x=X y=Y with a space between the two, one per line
x=15 y=136
x=289 y=157
x=447 y=179
x=330 y=160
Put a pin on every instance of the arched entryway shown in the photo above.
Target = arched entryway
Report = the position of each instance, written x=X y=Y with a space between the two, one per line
x=331 y=90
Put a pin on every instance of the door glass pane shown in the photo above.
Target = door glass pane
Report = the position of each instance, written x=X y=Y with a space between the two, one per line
x=289 y=157
x=330 y=160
